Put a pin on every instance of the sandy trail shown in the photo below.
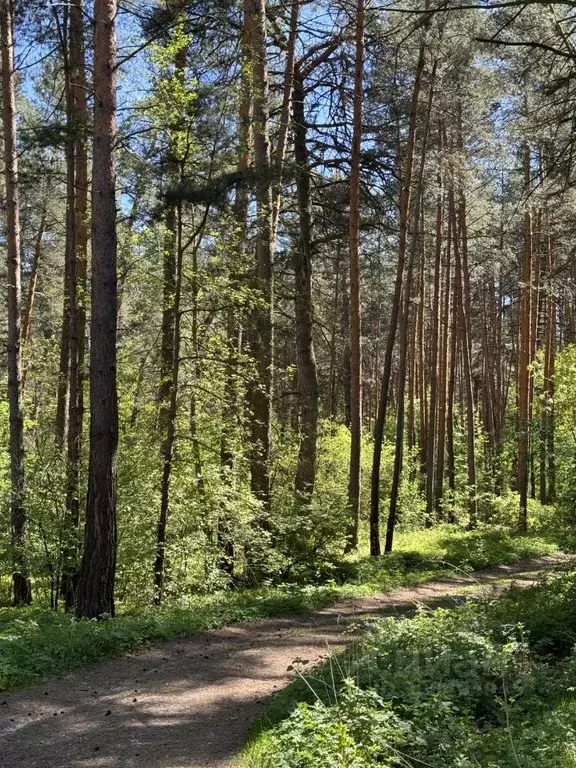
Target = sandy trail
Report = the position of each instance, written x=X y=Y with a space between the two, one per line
x=190 y=703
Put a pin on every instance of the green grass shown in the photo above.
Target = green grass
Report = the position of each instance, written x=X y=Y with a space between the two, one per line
x=36 y=643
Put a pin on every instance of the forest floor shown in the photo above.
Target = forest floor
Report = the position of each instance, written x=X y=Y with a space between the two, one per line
x=191 y=703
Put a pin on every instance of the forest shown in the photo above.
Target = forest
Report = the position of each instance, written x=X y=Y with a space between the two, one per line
x=290 y=327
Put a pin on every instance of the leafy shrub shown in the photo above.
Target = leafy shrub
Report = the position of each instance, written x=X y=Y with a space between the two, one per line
x=360 y=729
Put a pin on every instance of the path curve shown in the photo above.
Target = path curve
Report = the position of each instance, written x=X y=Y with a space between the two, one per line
x=189 y=703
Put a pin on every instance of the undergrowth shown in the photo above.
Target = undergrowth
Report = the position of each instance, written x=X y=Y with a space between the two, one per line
x=486 y=685
x=36 y=643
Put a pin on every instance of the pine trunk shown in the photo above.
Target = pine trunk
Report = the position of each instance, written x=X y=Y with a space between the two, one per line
x=95 y=595
x=22 y=594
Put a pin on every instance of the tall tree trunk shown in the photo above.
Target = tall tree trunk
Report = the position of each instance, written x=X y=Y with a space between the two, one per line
x=403 y=328
x=261 y=341
x=22 y=593
x=462 y=276
x=421 y=363
x=77 y=299
x=444 y=330
x=304 y=309
x=547 y=461
x=170 y=343
x=170 y=435
x=63 y=394
x=396 y=306
x=524 y=357
x=287 y=96
x=435 y=377
x=96 y=584
x=230 y=417
x=354 y=290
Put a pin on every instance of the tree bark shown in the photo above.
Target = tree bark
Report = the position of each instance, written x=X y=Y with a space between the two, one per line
x=444 y=331
x=170 y=435
x=96 y=584
x=170 y=343
x=462 y=274
x=22 y=593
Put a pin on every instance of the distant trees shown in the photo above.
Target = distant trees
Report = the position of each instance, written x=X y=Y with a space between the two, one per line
x=348 y=246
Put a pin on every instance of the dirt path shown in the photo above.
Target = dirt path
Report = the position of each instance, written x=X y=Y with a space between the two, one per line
x=189 y=703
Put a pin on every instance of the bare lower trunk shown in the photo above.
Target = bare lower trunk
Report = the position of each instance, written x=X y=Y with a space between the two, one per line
x=444 y=331
x=462 y=276
x=95 y=594
x=230 y=415
x=435 y=379
x=403 y=331
x=170 y=435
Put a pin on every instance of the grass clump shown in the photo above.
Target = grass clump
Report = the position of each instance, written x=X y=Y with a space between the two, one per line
x=37 y=643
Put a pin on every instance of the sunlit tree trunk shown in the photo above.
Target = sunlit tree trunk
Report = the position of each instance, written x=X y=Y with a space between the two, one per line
x=435 y=374
x=31 y=296
x=170 y=342
x=403 y=330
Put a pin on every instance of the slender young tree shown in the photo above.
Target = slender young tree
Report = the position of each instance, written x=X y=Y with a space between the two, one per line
x=170 y=332
x=404 y=324
x=435 y=380
x=395 y=313
x=262 y=341
x=354 y=287
x=22 y=593
x=95 y=594
x=304 y=308
x=524 y=355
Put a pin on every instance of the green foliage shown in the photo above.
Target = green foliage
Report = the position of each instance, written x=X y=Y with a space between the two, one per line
x=465 y=688
x=360 y=729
